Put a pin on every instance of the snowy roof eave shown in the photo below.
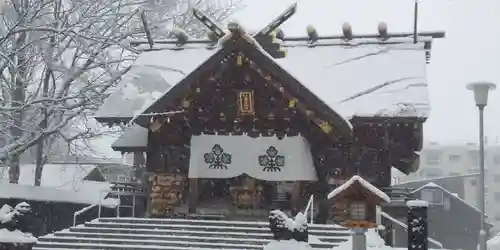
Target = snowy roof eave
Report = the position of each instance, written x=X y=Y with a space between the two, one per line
x=135 y=139
x=358 y=179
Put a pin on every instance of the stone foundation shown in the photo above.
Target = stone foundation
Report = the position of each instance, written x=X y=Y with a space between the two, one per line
x=166 y=193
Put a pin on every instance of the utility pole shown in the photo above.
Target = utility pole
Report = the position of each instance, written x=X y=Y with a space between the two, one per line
x=415 y=21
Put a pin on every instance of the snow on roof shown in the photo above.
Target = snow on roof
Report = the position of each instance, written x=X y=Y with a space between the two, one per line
x=15 y=236
x=433 y=179
x=392 y=83
x=151 y=76
x=88 y=192
x=53 y=175
x=434 y=185
x=365 y=184
x=60 y=182
x=134 y=137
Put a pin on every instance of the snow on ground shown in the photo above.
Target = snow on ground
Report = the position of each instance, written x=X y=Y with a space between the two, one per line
x=314 y=239
x=373 y=242
x=287 y=245
x=15 y=236
x=494 y=243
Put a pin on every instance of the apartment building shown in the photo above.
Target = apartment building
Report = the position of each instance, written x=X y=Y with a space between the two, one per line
x=439 y=160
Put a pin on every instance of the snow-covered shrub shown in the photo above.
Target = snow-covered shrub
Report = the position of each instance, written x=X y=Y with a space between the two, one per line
x=15 y=224
x=284 y=228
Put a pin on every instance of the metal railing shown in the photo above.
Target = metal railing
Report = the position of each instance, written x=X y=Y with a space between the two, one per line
x=81 y=211
x=401 y=224
x=310 y=208
x=125 y=189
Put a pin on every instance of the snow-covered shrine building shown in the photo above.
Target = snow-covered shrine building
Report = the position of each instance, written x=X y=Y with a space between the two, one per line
x=233 y=124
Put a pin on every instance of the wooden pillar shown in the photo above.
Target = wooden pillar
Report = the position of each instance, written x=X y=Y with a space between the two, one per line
x=193 y=194
x=148 y=181
x=296 y=197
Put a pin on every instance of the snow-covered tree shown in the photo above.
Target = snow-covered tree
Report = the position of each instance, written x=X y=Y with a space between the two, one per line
x=59 y=59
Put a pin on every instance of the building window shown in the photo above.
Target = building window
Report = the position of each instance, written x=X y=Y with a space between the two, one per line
x=496 y=177
x=497 y=217
x=454 y=158
x=496 y=159
x=473 y=182
x=472 y=170
x=433 y=172
x=497 y=197
x=432 y=196
x=474 y=157
x=432 y=158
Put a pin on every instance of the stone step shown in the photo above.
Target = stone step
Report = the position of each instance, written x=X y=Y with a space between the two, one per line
x=168 y=240
x=219 y=229
x=69 y=246
x=161 y=232
x=132 y=242
x=181 y=234
x=210 y=223
x=229 y=228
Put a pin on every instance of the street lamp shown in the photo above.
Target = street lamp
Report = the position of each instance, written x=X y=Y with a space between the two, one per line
x=481 y=90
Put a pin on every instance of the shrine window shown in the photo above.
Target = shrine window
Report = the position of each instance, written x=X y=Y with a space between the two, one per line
x=432 y=196
x=357 y=211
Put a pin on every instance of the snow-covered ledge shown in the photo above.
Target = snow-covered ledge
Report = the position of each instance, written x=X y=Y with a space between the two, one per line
x=16 y=240
x=417 y=203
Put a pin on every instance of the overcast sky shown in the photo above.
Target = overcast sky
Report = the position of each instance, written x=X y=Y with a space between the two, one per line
x=470 y=51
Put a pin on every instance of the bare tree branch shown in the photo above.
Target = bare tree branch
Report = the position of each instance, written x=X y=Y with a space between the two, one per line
x=60 y=59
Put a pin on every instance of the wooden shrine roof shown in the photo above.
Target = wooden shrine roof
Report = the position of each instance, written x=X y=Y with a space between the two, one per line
x=361 y=78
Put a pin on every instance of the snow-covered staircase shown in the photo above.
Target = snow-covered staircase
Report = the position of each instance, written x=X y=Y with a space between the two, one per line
x=180 y=234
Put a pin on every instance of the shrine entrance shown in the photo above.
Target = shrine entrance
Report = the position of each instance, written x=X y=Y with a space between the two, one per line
x=244 y=196
x=230 y=174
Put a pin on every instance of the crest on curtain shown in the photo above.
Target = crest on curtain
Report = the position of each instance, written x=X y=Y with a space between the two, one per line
x=272 y=161
x=218 y=159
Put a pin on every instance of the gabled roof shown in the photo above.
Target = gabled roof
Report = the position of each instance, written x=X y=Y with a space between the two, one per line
x=362 y=78
x=365 y=184
x=432 y=185
x=242 y=42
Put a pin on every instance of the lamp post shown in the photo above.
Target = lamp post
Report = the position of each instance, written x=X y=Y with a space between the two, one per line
x=481 y=90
